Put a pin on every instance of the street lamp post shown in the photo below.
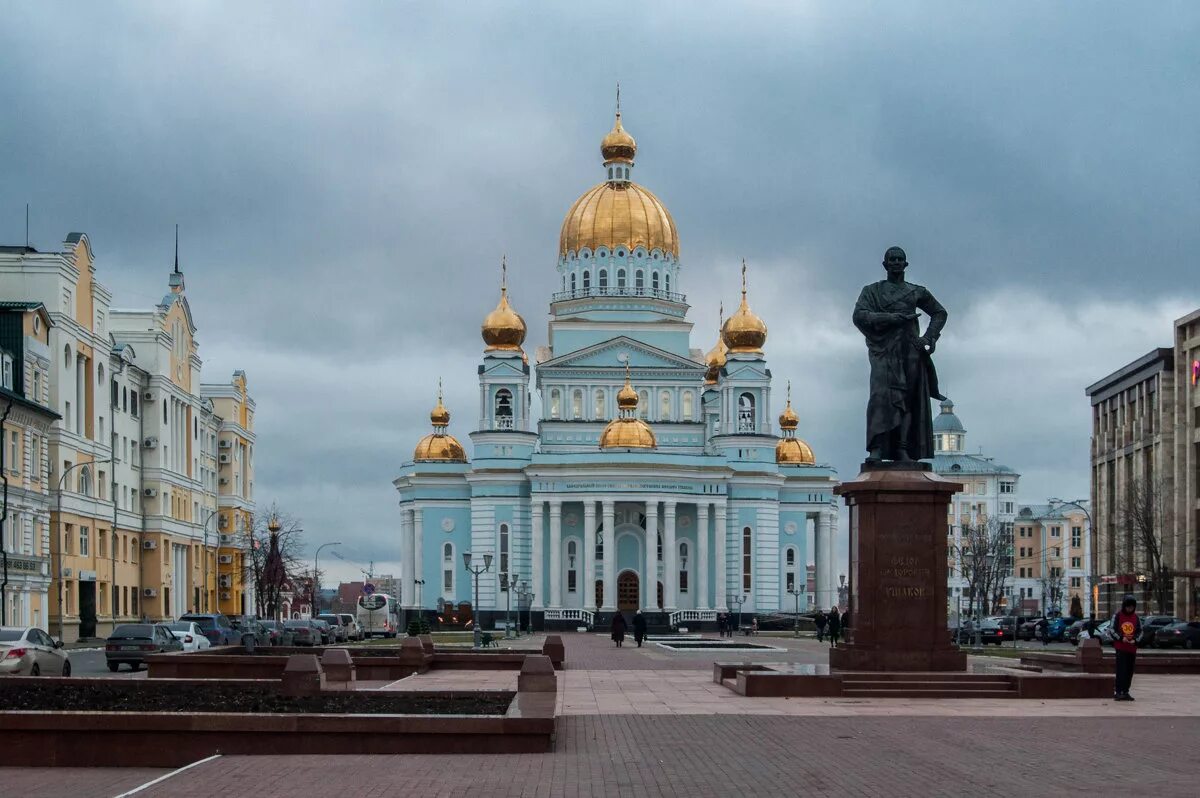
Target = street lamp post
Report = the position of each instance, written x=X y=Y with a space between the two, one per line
x=511 y=582
x=739 y=600
x=316 y=607
x=477 y=641
x=796 y=620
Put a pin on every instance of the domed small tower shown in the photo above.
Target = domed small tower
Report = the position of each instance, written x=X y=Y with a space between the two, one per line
x=792 y=450
x=949 y=435
x=744 y=332
x=627 y=431
x=714 y=361
x=439 y=446
x=503 y=329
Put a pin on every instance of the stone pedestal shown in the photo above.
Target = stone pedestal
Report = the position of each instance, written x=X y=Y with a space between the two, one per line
x=898 y=571
x=303 y=675
x=537 y=675
x=338 y=665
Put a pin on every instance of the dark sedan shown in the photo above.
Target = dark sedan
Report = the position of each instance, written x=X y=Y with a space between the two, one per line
x=281 y=635
x=1151 y=624
x=131 y=643
x=1184 y=633
x=988 y=632
x=304 y=632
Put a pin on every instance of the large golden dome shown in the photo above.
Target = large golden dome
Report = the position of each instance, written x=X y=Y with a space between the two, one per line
x=439 y=446
x=744 y=332
x=503 y=329
x=618 y=212
x=627 y=431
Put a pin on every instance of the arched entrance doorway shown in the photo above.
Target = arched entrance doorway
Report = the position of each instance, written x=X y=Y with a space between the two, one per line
x=628 y=595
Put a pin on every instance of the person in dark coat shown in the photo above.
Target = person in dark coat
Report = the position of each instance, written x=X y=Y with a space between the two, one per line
x=835 y=626
x=1125 y=632
x=618 y=629
x=720 y=624
x=639 y=628
x=820 y=620
x=845 y=620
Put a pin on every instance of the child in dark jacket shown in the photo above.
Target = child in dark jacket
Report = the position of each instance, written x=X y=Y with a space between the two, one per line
x=1125 y=632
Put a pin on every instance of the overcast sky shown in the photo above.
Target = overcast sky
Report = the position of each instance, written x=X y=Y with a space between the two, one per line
x=346 y=177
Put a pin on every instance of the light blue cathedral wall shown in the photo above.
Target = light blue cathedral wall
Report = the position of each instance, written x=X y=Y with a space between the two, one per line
x=567 y=341
x=434 y=537
x=799 y=541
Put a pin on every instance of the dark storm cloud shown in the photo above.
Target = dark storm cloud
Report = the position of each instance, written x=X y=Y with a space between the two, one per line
x=346 y=178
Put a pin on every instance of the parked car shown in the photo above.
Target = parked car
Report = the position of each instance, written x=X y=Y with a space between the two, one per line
x=216 y=628
x=353 y=630
x=1073 y=632
x=1028 y=629
x=328 y=636
x=28 y=651
x=281 y=635
x=340 y=632
x=253 y=626
x=989 y=632
x=1102 y=633
x=1184 y=633
x=131 y=643
x=190 y=634
x=1008 y=623
x=304 y=632
x=1150 y=626
x=1056 y=628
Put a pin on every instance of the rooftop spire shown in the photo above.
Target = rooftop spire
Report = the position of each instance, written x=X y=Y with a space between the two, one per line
x=504 y=274
x=177 y=248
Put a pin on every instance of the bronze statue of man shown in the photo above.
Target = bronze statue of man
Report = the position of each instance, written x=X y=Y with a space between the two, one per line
x=903 y=380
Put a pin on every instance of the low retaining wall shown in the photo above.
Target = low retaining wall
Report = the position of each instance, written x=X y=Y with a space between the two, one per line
x=1086 y=662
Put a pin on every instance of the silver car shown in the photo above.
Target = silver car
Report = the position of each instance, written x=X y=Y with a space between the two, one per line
x=28 y=651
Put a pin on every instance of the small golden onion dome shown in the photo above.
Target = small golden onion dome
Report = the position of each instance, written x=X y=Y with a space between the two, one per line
x=615 y=215
x=618 y=145
x=714 y=361
x=744 y=331
x=794 y=451
x=627 y=431
x=788 y=418
x=503 y=329
x=439 y=446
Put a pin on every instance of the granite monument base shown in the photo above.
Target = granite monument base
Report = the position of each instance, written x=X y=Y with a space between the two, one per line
x=898 y=571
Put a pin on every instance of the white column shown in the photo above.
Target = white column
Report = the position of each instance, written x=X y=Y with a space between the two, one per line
x=650 y=575
x=701 y=569
x=555 y=553
x=609 y=510
x=818 y=541
x=670 y=566
x=535 y=568
x=823 y=561
x=589 y=554
x=418 y=559
x=406 y=558
x=720 y=573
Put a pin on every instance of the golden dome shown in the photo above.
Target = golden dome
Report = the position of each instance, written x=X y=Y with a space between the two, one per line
x=627 y=431
x=618 y=145
x=788 y=420
x=615 y=215
x=503 y=329
x=794 y=451
x=744 y=332
x=438 y=446
x=715 y=359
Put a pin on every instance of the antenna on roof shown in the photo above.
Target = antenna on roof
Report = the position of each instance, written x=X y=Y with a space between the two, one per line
x=177 y=248
x=26 y=225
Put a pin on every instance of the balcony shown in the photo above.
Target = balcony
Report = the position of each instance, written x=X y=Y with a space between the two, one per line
x=626 y=291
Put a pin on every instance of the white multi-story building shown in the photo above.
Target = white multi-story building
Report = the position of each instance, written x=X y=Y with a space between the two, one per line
x=989 y=492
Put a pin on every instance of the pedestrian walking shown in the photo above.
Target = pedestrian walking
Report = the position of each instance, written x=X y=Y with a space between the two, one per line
x=820 y=621
x=639 y=628
x=834 y=626
x=1043 y=631
x=618 y=629
x=845 y=621
x=720 y=624
x=1125 y=631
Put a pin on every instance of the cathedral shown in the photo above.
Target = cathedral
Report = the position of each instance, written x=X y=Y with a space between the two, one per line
x=653 y=479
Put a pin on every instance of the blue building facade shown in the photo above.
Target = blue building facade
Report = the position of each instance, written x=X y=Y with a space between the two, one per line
x=654 y=477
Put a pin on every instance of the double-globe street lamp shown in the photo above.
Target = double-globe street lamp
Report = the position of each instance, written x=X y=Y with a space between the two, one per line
x=739 y=600
x=477 y=636
x=509 y=585
x=796 y=621
x=524 y=594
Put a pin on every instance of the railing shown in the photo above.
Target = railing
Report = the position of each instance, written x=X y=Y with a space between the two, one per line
x=586 y=617
x=653 y=293
x=691 y=616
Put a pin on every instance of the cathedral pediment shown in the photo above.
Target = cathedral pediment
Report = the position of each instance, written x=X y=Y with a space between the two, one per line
x=605 y=355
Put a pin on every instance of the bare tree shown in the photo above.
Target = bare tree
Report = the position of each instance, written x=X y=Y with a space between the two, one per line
x=984 y=557
x=1144 y=516
x=290 y=543
x=1053 y=587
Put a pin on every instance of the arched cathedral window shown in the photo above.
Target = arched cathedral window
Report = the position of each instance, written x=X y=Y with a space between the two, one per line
x=577 y=404
x=654 y=280
x=746 y=413
x=620 y=278
x=504 y=409
x=664 y=406
x=555 y=403
x=643 y=404
x=639 y=280
x=603 y=279
x=687 y=409
x=587 y=279
x=598 y=409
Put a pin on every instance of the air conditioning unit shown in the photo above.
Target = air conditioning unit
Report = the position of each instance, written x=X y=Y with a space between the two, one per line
x=225 y=559
x=223 y=480
x=223 y=521
x=226 y=595
x=228 y=540
x=226 y=444
x=148 y=396
x=149 y=592
x=224 y=458
x=151 y=492
x=225 y=581
x=150 y=545
x=66 y=572
x=150 y=443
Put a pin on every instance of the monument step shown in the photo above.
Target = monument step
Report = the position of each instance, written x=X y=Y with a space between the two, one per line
x=920 y=676
x=928 y=684
x=910 y=692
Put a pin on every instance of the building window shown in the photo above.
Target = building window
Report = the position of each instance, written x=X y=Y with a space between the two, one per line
x=572 y=574
x=14 y=451
x=1076 y=562
x=448 y=570
x=577 y=404
x=504 y=409
x=133 y=403
x=603 y=277
x=667 y=282
x=686 y=409
x=1076 y=581
x=555 y=403
x=598 y=408
x=639 y=280
x=620 y=278
x=1055 y=531
x=84 y=542
x=746 y=413
x=1076 y=537
x=664 y=406
x=6 y=378
x=587 y=279
x=683 y=574
x=503 y=548
x=654 y=280
x=746 y=560
x=643 y=404
x=85 y=481
x=600 y=544
x=572 y=283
